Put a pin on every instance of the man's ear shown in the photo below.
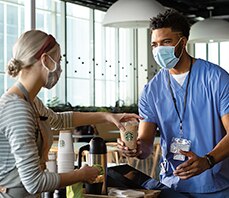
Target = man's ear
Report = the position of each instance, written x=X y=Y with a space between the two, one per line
x=184 y=40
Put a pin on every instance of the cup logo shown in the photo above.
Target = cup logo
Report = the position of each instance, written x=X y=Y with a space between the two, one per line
x=62 y=143
x=129 y=136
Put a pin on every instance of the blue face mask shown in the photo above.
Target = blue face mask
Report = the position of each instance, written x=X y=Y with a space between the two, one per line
x=165 y=56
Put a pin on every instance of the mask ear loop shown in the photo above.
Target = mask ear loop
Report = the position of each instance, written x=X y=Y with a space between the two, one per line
x=55 y=63
x=182 y=47
x=44 y=65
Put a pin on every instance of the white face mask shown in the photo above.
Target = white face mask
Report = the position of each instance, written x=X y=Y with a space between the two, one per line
x=165 y=56
x=54 y=75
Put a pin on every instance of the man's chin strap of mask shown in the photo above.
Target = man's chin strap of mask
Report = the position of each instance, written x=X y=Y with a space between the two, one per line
x=182 y=47
x=181 y=51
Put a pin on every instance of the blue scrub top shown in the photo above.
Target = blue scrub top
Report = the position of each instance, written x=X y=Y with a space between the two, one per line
x=207 y=102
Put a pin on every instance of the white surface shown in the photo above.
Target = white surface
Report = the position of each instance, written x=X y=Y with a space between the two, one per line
x=209 y=30
x=125 y=193
x=132 y=13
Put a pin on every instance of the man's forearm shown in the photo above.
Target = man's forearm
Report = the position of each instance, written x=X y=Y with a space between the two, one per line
x=145 y=150
x=221 y=151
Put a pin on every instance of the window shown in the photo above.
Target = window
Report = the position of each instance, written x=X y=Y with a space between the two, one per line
x=100 y=67
x=106 y=70
x=200 y=50
x=11 y=26
x=224 y=58
x=214 y=52
x=48 y=19
x=79 y=55
x=127 y=67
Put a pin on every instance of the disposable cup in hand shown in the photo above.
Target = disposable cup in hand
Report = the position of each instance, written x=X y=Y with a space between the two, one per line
x=65 y=143
x=130 y=134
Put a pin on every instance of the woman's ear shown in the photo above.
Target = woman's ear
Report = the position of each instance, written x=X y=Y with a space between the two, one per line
x=44 y=60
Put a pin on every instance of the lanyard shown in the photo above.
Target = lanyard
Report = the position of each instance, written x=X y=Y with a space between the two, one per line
x=185 y=98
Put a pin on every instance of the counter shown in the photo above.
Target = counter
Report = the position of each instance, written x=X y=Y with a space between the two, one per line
x=148 y=194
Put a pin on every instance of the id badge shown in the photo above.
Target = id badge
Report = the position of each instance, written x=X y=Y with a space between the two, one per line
x=178 y=144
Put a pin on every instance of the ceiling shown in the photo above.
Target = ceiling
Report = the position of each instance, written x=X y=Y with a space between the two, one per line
x=193 y=9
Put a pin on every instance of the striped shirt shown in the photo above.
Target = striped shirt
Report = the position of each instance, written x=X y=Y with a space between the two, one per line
x=18 y=146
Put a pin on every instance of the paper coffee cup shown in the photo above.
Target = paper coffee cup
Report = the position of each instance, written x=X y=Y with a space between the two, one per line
x=65 y=143
x=129 y=136
x=65 y=155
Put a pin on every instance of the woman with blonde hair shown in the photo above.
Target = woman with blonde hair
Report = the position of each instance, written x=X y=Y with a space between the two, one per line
x=25 y=123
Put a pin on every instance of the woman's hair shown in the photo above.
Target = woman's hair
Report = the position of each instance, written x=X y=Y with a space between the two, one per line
x=28 y=49
x=171 y=19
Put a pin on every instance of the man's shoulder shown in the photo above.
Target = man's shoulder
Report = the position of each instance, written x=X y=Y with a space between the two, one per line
x=210 y=73
x=159 y=76
x=207 y=65
x=208 y=69
x=156 y=84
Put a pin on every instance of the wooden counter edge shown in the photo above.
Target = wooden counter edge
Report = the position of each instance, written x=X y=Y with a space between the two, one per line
x=148 y=194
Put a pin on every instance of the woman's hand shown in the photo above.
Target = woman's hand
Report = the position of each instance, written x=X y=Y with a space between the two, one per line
x=117 y=118
x=89 y=174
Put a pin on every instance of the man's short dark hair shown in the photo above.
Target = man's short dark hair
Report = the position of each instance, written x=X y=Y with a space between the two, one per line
x=171 y=19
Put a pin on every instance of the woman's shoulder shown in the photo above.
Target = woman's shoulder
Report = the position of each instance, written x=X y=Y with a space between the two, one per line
x=8 y=98
x=12 y=103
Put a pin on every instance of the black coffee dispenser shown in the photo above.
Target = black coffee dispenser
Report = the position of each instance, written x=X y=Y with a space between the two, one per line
x=97 y=157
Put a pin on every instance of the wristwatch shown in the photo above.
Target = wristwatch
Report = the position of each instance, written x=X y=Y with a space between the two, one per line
x=210 y=159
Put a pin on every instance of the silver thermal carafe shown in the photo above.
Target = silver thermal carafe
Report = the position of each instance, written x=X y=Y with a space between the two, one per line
x=97 y=157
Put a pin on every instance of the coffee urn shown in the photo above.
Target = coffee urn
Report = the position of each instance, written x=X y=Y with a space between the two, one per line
x=98 y=158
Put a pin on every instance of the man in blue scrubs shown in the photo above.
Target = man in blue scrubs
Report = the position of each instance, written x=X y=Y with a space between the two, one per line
x=188 y=101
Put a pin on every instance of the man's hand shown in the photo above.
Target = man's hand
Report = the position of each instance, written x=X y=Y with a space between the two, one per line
x=128 y=152
x=142 y=151
x=195 y=165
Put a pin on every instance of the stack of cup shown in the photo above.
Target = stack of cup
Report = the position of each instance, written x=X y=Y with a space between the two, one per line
x=51 y=163
x=65 y=157
x=51 y=166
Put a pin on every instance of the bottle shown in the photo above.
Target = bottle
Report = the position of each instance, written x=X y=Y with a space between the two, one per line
x=98 y=158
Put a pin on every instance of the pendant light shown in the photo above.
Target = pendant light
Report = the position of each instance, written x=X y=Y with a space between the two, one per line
x=209 y=30
x=132 y=13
